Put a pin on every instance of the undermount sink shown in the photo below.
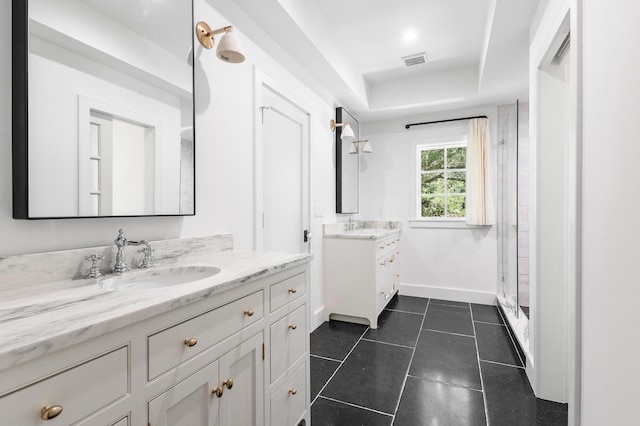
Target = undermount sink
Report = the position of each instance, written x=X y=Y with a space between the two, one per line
x=157 y=278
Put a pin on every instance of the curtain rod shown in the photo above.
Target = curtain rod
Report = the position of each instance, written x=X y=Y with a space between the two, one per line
x=444 y=121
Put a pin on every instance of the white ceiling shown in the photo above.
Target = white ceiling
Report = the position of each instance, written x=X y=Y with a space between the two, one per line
x=477 y=50
x=154 y=20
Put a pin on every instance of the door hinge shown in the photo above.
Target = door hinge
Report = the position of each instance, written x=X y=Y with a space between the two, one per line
x=263 y=351
x=262 y=108
x=306 y=235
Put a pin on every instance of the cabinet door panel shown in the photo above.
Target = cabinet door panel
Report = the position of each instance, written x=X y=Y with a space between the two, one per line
x=243 y=403
x=288 y=338
x=190 y=402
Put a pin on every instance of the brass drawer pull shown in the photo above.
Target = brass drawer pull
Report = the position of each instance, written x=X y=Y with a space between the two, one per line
x=249 y=312
x=293 y=326
x=191 y=342
x=217 y=391
x=228 y=383
x=293 y=391
x=293 y=290
x=50 y=411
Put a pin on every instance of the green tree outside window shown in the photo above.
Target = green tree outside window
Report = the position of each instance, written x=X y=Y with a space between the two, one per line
x=443 y=182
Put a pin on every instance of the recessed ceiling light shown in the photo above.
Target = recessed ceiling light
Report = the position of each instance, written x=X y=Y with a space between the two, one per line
x=410 y=35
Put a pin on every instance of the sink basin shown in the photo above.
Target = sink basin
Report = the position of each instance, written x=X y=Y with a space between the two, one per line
x=157 y=278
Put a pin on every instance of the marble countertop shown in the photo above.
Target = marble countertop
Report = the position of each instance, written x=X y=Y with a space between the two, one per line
x=38 y=320
x=365 y=229
x=373 y=233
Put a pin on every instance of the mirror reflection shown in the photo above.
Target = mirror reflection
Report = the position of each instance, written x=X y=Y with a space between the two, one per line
x=110 y=108
x=347 y=165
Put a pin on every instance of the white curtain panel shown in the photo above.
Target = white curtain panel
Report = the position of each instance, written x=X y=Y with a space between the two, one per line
x=480 y=209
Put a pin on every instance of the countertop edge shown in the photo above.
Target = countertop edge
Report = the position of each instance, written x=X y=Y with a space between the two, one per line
x=45 y=343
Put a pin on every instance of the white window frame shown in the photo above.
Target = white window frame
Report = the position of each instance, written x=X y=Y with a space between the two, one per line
x=418 y=192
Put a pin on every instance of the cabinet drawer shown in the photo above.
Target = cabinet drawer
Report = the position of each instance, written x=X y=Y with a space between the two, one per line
x=170 y=347
x=386 y=245
x=288 y=337
x=80 y=391
x=285 y=291
x=288 y=403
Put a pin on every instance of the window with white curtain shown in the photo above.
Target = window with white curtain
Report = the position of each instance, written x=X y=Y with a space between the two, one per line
x=442 y=178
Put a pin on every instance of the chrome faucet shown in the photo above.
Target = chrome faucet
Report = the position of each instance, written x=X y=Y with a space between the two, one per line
x=350 y=224
x=121 y=259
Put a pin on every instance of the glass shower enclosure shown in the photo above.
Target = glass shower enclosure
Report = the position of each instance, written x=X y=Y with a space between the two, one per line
x=513 y=217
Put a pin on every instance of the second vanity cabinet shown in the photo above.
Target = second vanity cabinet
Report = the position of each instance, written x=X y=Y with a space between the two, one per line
x=361 y=274
x=237 y=358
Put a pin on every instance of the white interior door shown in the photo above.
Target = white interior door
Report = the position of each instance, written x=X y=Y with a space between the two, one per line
x=282 y=174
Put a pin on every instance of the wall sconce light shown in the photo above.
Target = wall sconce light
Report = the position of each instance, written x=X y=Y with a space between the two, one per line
x=347 y=132
x=229 y=49
x=367 y=148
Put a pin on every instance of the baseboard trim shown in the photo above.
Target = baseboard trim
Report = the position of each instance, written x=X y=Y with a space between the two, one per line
x=317 y=319
x=458 y=295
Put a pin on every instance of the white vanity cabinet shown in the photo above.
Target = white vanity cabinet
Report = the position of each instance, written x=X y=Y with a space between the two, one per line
x=227 y=392
x=236 y=358
x=361 y=274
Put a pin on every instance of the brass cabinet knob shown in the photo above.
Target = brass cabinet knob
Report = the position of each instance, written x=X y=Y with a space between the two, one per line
x=292 y=290
x=249 y=312
x=293 y=326
x=191 y=342
x=50 y=411
x=217 y=391
x=293 y=391
x=228 y=383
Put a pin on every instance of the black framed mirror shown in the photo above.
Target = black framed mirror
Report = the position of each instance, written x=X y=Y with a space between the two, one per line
x=103 y=108
x=347 y=165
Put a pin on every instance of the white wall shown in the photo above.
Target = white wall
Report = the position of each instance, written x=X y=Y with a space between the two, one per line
x=611 y=202
x=224 y=163
x=456 y=264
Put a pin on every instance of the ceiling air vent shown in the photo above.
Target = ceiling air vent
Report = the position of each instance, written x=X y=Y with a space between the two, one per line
x=417 y=59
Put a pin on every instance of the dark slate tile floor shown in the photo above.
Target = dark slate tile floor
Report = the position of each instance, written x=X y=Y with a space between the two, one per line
x=430 y=362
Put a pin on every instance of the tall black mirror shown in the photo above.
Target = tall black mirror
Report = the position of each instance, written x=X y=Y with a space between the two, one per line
x=103 y=116
x=347 y=164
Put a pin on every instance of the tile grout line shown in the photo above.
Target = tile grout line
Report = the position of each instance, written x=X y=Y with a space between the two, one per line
x=404 y=312
x=324 y=357
x=502 y=364
x=489 y=323
x=404 y=382
x=386 y=343
x=354 y=405
x=444 y=383
x=452 y=306
x=484 y=393
x=341 y=363
x=449 y=332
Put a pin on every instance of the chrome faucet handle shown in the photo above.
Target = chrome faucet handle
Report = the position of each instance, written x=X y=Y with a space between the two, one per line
x=147 y=261
x=94 y=270
x=121 y=258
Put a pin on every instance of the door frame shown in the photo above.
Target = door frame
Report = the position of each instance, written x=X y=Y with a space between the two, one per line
x=261 y=80
x=562 y=16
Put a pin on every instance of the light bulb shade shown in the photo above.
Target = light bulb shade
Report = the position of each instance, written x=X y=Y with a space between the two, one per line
x=353 y=149
x=347 y=132
x=230 y=49
x=367 y=147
